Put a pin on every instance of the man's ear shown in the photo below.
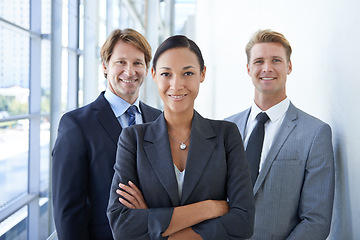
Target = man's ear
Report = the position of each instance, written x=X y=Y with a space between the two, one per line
x=104 y=68
x=248 y=69
x=153 y=73
x=289 y=68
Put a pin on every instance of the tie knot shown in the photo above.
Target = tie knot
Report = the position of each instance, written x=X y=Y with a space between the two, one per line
x=262 y=117
x=131 y=110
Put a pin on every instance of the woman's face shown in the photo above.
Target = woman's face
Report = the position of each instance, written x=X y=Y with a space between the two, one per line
x=178 y=77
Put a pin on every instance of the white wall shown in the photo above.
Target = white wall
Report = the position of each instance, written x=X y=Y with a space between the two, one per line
x=325 y=81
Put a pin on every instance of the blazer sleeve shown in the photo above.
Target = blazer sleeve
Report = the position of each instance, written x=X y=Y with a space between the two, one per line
x=238 y=223
x=69 y=183
x=317 y=196
x=128 y=223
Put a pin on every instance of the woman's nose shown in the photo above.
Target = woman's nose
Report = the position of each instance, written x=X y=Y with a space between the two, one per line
x=176 y=83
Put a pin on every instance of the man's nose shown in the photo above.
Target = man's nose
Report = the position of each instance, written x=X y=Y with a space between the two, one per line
x=267 y=67
x=129 y=70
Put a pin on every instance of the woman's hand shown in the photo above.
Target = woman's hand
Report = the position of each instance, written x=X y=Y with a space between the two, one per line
x=131 y=196
x=188 y=215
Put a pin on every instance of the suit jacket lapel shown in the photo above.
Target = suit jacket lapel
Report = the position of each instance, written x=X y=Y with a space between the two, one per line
x=200 y=150
x=159 y=154
x=288 y=125
x=107 y=118
x=148 y=114
x=242 y=122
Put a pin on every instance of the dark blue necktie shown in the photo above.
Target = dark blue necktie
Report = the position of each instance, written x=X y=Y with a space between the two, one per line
x=255 y=144
x=131 y=114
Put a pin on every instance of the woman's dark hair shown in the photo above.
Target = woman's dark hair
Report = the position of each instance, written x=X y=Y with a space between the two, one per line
x=178 y=41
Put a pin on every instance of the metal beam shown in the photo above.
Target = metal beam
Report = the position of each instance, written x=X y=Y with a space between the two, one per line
x=90 y=81
x=16 y=205
x=134 y=13
x=73 y=57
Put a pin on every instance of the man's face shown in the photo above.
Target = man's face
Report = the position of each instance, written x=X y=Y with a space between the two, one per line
x=268 y=68
x=126 y=71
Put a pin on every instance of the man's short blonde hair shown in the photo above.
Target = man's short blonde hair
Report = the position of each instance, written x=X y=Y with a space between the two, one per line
x=266 y=36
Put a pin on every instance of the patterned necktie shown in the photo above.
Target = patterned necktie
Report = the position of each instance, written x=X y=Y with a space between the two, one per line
x=255 y=144
x=131 y=114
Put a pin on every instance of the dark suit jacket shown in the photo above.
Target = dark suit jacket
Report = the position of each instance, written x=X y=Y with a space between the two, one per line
x=83 y=160
x=294 y=191
x=216 y=169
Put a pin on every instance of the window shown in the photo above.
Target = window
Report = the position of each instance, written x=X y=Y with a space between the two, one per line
x=44 y=72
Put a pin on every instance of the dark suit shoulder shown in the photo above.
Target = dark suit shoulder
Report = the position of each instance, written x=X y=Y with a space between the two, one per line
x=84 y=112
x=79 y=113
x=149 y=113
x=142 y=104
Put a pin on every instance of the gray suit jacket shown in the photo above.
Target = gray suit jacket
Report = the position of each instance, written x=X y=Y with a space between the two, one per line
x=216 y=169
x=294 y=191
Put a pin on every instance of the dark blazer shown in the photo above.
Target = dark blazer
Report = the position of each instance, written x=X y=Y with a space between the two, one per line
x=294 y=191
x=83 y=160
x=216 y=169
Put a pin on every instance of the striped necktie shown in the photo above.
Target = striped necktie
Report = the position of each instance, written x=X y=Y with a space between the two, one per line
x=131 y=114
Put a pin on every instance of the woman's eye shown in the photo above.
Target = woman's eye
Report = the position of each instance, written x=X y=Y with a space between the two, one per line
x=188 y=73
x=165 y=74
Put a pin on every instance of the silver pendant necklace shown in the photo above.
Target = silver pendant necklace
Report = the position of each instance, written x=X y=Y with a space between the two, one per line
x=182 y=144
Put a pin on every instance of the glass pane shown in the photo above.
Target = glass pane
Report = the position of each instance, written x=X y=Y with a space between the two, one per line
x=81 y=80
x=44 y=152
x=14 y=145
x=183 y=12
x=45 y=16
x=81 y=26
x=47 y=225
x=65 y=24
x=15 y=226
x=16 y=11
x=14 y=73
x=45 y=76
x=64 y=80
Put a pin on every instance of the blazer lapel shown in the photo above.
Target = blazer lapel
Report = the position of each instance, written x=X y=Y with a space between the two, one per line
x=285 y=130
x=159 y=154
x=148 y=113
x=200 y=150
x=107 y=118
x=242 y=122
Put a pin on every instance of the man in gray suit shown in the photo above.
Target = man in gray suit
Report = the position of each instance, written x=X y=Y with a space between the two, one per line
x=294 y=181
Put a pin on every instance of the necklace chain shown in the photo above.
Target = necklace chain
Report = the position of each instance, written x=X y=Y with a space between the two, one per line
x=182 y=144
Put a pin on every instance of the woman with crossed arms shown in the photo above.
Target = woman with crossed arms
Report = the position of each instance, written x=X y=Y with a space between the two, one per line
x=181 y=176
